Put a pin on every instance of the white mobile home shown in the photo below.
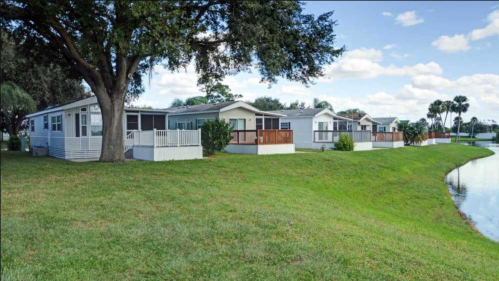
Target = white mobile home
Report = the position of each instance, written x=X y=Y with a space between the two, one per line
x=74 y=131
x=255 y=131
x=318 y=127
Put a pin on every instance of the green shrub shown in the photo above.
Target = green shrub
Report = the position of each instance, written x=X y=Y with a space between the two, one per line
x=215 y=136
x=14 y=143
x=345 y=143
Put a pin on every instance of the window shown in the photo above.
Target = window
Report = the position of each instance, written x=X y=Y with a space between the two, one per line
x=45 y=122
x=342 y=125
x=286 y=125
x=363 y=127
x=349 y=127
x=335 y=126
x=238 y=124
x=149 y=122
x=271 y=123
x=394 y=129
x=381 y=129
x=84 y=109
x=94 y=108
x=200 y=122
x=323 y=126
x=95 y=121
x=32 y=125
x=96 y=124
x=83 y=125
x=132 y=122
x=160 y=122
x=259 y=123
x=57 y=123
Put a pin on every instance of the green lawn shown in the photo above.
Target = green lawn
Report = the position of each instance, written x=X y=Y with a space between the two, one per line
x=375 y=215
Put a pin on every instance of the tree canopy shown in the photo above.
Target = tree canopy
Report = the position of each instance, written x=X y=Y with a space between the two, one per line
x=111 y=44
x=352 y=111
x=267 y=103
x=219 y=92
x=41 y=73
x=15 y=105
x=322 y=104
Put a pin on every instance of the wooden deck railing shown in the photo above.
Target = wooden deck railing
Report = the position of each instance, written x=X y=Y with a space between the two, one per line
x=262 y=137
x=334 y=136
x=438 y=135
x=387 y=136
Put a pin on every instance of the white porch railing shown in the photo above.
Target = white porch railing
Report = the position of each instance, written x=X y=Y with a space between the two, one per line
x=163 y=138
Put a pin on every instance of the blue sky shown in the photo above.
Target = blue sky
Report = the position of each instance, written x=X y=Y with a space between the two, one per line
x=401 y=56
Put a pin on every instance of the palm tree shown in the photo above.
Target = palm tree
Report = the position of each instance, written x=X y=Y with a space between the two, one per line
x=431 y=116
x=439 y=105
x=460 y=107
x=447 y=107
x=473 y=122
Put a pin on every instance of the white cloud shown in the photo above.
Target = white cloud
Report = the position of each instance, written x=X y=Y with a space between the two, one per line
x=399 y=56
x=294 y=90
x=454 y=44
x=431 y=82
x=408 y=18
x=387 y=14
x=423 y=96
x=491 y=29
x=483 y=88
x=389 y=46
x=365 y=63
x=177 y=84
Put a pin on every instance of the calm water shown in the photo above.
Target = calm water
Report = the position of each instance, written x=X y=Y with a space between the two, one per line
x=475 y=190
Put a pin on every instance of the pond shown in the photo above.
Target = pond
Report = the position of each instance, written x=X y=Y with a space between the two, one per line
x=475 y=190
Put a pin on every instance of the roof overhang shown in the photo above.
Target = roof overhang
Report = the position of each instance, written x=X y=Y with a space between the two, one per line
x=246 y=106
x=368 y=117
x=146 y=110
x=83 y=102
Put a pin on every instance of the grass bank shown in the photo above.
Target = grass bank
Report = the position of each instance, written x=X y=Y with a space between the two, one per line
x=376 y=215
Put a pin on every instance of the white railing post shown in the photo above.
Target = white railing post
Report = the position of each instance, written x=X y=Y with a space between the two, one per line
x=178 y=137
x=199 y=137
x=154 y=137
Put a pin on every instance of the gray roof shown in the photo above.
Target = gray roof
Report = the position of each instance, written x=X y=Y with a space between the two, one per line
x=200 y=107
x=306 y=112
x=385 y=120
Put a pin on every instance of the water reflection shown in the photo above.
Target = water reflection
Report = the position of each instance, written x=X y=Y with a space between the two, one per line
x=475 y=189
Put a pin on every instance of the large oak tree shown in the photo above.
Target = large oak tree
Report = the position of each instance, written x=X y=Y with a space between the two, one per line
x=112 y=44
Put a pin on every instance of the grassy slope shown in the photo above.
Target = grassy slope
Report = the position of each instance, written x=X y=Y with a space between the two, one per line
x=374 y=215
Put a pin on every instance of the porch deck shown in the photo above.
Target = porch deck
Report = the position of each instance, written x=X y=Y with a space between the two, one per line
x=261 y=142
x=361 y=139
x=388 y=139
x=162 y=145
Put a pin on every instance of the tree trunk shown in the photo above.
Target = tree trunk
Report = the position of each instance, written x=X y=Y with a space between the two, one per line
x=458 y=127
x=112 y=108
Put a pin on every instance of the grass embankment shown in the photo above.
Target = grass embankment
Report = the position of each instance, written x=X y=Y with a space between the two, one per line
x=377 y=215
